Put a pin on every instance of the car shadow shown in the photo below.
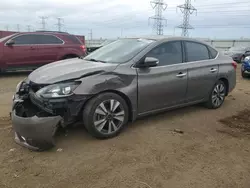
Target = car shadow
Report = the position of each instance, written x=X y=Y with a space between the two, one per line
x=73 y=135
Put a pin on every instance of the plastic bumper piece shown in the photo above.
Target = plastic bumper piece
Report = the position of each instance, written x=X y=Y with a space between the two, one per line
x=35 y=133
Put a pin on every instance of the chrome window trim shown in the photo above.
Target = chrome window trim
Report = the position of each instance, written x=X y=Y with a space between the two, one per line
x=186 y=63
x=63 y=42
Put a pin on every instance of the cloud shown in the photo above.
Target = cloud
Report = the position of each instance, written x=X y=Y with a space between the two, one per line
x=113 y=18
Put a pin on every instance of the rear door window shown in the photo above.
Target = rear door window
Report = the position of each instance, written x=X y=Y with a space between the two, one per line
x=48 y=39
x=196 y=51
x=25 y=40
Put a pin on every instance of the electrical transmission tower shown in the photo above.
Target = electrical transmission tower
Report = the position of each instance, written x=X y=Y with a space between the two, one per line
x=28 y=28
x=43 y=18
x=159 y=7
x=59 y=23
x=187 y=9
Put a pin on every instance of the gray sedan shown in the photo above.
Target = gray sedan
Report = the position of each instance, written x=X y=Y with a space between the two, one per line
x=118 y=83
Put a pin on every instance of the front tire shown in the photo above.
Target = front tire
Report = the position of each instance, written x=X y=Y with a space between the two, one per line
x=105 y=115
x=217 y=95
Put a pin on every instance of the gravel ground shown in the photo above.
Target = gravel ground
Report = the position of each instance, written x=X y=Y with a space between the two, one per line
x=148 y=153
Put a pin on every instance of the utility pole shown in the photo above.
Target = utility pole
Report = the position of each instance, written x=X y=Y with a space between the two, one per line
x=18 y=27
x=187 y=9
x=121 y=32
x=28 y=28
x=159 y=7
x=7 y=27
x=90 y=36
x=43 y=18
x=59 y=23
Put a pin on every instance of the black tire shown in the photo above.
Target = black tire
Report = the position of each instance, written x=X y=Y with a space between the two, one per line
x=210 y=104
x=89 y=115
x=243 y=74
x=69 y=57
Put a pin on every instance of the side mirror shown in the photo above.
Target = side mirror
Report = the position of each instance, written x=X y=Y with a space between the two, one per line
x=149 y=62
x=10 y=42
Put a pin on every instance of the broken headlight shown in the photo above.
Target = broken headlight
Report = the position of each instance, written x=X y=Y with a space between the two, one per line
x=57 y=90
x=18 y=86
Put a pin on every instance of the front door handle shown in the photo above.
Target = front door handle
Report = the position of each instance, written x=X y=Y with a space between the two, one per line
x=180 y=75
x=32 y=48
x=213 y=70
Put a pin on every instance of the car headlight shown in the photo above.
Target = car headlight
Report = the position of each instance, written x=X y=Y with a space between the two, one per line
x=247 y=59
x=58 y=90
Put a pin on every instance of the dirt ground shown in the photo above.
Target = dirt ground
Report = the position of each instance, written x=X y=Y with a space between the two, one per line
x=212 y=152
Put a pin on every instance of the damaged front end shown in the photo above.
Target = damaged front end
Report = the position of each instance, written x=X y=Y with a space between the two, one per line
x=35 y=119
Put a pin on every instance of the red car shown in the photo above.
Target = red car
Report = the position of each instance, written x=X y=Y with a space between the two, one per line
x=33 y=49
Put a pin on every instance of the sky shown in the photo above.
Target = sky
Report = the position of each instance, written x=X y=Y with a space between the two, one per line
x=214 y=19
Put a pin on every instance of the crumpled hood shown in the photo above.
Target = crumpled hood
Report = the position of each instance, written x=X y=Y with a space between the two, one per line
x=68 y=69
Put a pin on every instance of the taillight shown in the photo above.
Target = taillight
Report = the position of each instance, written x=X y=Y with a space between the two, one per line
x=83 y=48
x=234 y=64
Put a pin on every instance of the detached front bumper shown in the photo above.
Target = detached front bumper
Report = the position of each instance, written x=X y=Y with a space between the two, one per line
x=36 y=133
x=32 y=128
x=35 y=120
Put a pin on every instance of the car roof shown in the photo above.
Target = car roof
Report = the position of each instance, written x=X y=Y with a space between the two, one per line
x=170 y=38
x=44 y=32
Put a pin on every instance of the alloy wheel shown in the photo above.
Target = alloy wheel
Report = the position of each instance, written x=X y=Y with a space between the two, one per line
x=109 y=116
x=218 y=94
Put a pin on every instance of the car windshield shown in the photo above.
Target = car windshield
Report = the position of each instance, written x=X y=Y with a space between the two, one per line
x=119 y=51
x=7 y=37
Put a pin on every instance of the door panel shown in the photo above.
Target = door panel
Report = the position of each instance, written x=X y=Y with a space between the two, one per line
x=160 y=87
x=49 y=46
x=202 y=71
x=19 y=55
x=201 y=79
x=23 y=52
x=48 y=53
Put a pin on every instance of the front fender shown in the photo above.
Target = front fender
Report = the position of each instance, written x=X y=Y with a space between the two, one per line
x=122 y=83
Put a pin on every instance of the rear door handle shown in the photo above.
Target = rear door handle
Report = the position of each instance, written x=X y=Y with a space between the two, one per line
x=213 y=70
x=32 y=48
x=180 y=75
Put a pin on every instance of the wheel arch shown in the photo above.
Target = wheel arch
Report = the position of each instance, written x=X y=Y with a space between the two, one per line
x=121 y=94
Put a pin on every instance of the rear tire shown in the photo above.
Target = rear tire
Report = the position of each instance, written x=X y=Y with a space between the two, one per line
x=217 y=95
x=105 y=115
x=69 y=57
x=244 y=75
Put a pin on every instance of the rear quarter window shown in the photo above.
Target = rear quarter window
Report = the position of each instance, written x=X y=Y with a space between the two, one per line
x=73 y=39
x=213 y=52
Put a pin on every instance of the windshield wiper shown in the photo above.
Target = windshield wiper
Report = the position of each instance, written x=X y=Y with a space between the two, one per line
x=95 y=60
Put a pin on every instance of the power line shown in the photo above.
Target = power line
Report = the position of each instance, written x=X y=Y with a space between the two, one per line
x=59 y=23
x=159 y=6
x=187 y=9
x=43 y=22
